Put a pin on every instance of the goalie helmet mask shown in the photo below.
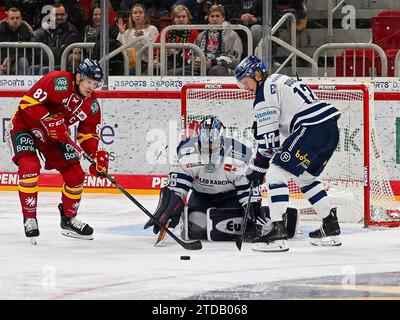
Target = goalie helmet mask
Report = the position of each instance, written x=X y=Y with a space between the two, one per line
x=247 y=68
x=91 y=69
x=211 y=139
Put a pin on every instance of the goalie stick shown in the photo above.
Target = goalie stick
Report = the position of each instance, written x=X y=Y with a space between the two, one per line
x=194 y=245
x=239 y=239
x=161 y=235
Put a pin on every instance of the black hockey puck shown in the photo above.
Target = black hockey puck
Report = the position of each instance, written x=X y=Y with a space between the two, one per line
x=185 y=257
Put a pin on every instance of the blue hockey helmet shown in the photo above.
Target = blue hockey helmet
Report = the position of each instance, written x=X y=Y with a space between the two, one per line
x=211 y=135
x=248 y=66
x=91 y=69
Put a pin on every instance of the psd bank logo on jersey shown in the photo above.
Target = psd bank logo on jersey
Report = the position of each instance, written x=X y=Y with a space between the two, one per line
x=231 y=225
x=61 y=84
x=23 y=142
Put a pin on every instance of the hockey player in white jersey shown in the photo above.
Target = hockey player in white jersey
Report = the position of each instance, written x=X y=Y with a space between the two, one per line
x=286 y=107
x=213 y=168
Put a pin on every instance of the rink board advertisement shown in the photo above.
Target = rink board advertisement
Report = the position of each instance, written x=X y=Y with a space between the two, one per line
x=141 y=128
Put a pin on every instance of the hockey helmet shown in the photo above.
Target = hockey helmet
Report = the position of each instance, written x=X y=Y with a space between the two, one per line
x=248 y=66
x=91 y=69
x=211 y=135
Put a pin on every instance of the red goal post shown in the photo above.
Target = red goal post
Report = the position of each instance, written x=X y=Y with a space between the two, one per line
x=355 y=177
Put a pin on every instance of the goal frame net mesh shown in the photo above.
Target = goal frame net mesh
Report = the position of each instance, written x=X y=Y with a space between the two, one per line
x=355 y=177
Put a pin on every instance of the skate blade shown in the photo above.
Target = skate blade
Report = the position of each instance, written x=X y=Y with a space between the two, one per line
x=72 y=234
x=275 y=246
x=333 y=241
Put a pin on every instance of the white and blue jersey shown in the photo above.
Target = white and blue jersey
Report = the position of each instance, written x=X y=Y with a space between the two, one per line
x=281 y=106
x=226 y=174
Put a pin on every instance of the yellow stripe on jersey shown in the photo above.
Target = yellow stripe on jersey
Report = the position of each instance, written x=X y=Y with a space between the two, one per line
x=83 y=137
x=29 y=102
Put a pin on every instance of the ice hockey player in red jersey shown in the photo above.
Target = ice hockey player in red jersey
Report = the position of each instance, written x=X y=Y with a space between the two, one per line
x=39 y=127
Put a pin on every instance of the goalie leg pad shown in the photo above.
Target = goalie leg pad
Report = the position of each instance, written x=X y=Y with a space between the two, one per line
x=292 y=221
x=194 y=225
x=224 y=224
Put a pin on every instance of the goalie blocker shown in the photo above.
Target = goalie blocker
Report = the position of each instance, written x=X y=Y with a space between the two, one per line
x=225 y=224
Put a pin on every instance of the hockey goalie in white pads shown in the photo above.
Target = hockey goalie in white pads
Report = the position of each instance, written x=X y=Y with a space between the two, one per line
x=212 y=167
x=287 y=107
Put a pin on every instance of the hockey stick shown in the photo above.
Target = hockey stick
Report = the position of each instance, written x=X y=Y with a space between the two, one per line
x=239 y=239
x=161 y=235
x=194 y=245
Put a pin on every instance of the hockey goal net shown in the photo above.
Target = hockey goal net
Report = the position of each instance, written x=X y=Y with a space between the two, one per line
x=355 y=177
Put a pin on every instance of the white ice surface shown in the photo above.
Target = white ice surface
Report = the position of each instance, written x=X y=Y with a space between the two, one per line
x=122 y=262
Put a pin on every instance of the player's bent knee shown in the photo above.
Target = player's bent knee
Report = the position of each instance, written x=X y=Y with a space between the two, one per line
x=305 y=179
x=28 y=167
x=277 y=175
x=73 y=176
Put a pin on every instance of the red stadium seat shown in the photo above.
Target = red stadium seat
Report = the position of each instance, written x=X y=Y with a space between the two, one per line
x=391 y=55
x=3 y=14
x=386 y=31
x=391 y=13
x=356 y=66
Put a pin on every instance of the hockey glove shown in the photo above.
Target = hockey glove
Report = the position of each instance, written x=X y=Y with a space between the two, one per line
x=101 y=158
x=170 y=208
x=56 y=128
x=257 y=169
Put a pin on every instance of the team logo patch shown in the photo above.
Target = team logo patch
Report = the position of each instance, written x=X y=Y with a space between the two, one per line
x=38 y=133
x=231 y=226
x=23 y=142
x=285 y=156
x=210 y=167
x=95 y=106
x=61 y=84
x=69 y=152
x=230 y=168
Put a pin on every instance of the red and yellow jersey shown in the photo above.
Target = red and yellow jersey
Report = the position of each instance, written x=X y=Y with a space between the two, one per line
x=55 y=93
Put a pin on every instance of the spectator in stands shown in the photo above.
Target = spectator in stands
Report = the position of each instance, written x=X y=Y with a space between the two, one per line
x=92 y=34
x=31 y=10
x=75 y=13
x=60 y=36
x=297 y=7
x=180 y=15
x=126 y=5
x=14 y=29
x=138 y=26
x=223 y=48
x=92 y=28
x=250 y=15
x=93 y=23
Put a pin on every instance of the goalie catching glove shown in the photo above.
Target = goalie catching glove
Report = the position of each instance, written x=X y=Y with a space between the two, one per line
x=170 y=207
x=101 y=159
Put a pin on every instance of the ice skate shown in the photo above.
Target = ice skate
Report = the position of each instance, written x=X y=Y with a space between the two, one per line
x=31 y=229
x=275 y=240
x=71 y=227
x=327 y=234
